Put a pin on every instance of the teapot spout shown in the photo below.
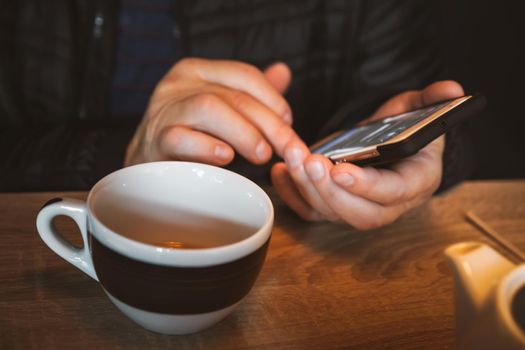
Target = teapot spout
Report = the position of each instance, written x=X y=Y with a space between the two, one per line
x=477 y=268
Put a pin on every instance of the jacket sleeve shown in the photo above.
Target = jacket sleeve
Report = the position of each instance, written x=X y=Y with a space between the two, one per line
x=395 y=51
x=65 y=157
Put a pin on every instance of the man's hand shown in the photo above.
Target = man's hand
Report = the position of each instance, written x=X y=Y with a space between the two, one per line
x=204 y=110
x=364 y=197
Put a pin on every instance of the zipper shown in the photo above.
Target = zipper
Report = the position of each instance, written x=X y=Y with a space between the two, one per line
x=97 y=31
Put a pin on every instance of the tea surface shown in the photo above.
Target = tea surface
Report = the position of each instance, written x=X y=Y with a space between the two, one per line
x=170 y=227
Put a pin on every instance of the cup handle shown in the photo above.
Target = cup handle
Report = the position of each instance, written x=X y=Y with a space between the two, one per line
x=76 y=210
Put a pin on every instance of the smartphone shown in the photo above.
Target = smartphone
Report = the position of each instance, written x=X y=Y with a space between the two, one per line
x=399 y=136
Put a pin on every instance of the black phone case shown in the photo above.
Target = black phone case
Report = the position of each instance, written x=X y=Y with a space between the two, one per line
x=412 y=144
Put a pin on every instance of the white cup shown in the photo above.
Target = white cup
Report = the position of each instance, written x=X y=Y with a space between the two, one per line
x=167 y=290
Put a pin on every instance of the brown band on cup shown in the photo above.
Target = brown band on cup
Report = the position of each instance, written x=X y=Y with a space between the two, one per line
x=175 y=290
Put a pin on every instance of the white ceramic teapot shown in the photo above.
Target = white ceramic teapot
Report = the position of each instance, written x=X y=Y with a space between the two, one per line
x=489 y=298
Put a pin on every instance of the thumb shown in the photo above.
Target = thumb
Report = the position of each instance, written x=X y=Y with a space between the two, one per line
x=279 y=75
x=410 y=100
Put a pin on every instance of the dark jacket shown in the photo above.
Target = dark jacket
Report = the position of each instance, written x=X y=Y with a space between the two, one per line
x=56 y=63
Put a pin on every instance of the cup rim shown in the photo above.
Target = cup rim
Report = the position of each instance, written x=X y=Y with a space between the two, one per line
x=505 y=293
x=166 y=256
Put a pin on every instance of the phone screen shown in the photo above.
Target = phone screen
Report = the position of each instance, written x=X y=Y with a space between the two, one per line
x=376 y=132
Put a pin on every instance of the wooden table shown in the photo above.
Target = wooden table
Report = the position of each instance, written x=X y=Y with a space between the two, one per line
x=323 y=285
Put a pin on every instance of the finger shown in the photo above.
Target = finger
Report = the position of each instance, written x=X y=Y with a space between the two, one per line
x=355 y=210
x=286 y=189
x=276 y=131
x=422 y=172
x=396 y=105
x=440 y=91
x=383 y=186
x=182 y=143
x=416 y=176
x=295 y=154
x=209 y=113
x=279 y=76
x=409 y=100
x=243 y=77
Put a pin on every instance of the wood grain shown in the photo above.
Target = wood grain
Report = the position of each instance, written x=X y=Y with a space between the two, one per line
x=323 y=286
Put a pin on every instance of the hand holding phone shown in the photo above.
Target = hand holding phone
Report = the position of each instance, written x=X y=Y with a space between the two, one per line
x=317 y=188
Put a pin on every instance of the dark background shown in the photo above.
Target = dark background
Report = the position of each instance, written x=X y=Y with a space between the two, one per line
x=483 y=44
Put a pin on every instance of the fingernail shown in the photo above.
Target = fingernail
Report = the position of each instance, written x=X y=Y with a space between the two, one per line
x=221 y=152
x=344 y=179
x=280 y=178
x=315 y=170
x=261 y=151
x=293 y=157
x=287 y=117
